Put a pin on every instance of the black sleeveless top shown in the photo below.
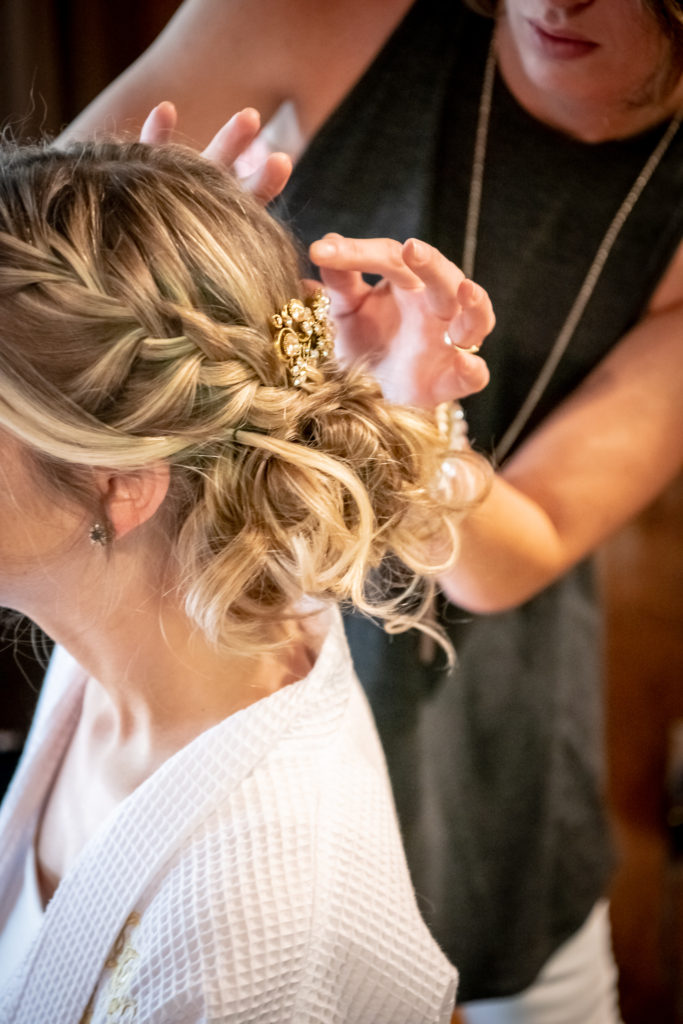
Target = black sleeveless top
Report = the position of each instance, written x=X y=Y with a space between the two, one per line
x=497 y=768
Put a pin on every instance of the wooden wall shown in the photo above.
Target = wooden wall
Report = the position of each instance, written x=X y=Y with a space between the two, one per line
x=56 y=55
x=643 y=577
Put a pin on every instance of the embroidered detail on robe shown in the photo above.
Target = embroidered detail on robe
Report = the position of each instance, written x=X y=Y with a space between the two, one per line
x=122 y=961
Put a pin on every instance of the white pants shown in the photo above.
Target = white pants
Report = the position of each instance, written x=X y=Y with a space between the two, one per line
x=578 y=984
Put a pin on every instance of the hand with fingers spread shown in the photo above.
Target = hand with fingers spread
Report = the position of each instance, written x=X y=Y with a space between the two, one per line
x=227 y=145
x=419 y=328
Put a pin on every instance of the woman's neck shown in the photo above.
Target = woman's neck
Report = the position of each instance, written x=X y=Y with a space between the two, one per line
x=154 y=684
x=587 y=117
x=155 y=679
x=170 y=684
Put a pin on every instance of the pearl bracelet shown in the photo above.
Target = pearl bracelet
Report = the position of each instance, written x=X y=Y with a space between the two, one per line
x=452 y=424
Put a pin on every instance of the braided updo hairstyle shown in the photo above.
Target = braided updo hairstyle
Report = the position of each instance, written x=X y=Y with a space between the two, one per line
x=136 y=288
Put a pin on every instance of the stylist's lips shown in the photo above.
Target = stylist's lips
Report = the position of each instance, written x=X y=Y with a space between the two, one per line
x=560 y=44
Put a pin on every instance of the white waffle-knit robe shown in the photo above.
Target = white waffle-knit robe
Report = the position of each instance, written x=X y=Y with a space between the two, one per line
x=258 y=875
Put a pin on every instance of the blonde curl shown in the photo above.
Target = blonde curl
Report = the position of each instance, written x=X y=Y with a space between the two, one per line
x=136 y=288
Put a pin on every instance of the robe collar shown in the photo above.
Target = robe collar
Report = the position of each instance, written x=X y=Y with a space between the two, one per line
x=108 y=879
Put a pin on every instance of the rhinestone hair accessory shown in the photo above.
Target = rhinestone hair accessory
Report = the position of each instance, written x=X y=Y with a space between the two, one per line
x=303 y=335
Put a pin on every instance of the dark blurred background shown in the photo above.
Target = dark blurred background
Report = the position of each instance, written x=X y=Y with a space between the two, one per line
x=56 y=55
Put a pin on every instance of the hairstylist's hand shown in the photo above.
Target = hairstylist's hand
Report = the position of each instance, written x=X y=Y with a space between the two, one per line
x=414 y=327
x=227 y=145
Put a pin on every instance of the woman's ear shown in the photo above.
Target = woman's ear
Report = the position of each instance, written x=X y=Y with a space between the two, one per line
x=131 y=498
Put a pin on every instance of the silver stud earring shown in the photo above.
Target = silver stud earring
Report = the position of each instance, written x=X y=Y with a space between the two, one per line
x=101 y=533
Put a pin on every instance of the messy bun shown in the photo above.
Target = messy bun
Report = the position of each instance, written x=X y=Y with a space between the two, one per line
x=136 y=290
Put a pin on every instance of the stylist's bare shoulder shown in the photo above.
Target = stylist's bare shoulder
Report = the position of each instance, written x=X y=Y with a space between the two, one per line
x=217 y=56
x=347 y=35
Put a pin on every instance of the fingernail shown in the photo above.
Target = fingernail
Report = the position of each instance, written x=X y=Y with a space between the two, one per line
x=325 y=248
x=419 y=250
x=467 y=291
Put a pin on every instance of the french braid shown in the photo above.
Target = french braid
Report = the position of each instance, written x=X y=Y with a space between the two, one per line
x=136 y=287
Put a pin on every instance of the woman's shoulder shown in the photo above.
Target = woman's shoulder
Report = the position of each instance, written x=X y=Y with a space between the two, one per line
x=294 y=886
x=308 y=915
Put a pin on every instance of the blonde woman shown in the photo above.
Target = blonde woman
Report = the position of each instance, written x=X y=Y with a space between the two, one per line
x=201 y=828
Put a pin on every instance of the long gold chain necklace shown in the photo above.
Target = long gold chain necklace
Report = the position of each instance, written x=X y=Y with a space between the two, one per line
x=586 y=290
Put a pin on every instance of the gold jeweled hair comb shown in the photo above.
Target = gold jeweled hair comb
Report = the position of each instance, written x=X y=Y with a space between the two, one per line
x=303 y=334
